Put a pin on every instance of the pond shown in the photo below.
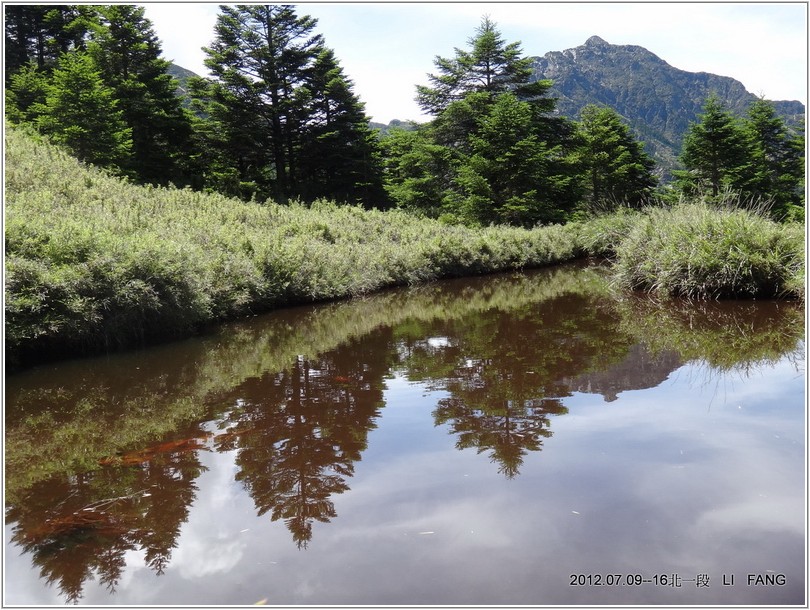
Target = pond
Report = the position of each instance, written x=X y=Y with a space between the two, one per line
x=527 y=438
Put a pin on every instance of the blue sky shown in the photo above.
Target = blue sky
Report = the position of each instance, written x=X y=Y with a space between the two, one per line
x=387 y=48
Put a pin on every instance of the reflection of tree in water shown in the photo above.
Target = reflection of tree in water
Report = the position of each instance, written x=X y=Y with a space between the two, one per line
x=81 y=527
x=507 y=373
x=299 y=432
x=508 y=431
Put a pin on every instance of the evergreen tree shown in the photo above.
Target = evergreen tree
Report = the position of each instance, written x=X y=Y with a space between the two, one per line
x=507 y=157
x=490 y=66
x=258 y=61
x=230 y=141
x=80 y=112
x=514 y=175
x=715 y=152
x=41 y=33
x=776 y=168
x=281 y=118
x=25 y=95
x=339 y=155
x=618 y=169
x=416 y=171
x=128 y=52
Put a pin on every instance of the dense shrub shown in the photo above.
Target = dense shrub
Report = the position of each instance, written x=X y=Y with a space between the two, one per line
x=93 y=262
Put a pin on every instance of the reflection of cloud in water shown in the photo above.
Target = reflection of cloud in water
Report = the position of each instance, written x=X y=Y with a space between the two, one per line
x=768 y=513
x=210 y=542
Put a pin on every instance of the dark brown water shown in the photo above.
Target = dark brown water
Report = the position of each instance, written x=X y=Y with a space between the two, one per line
x=528 y=439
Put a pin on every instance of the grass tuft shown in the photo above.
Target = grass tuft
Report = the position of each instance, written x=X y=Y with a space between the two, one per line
x=699 y=251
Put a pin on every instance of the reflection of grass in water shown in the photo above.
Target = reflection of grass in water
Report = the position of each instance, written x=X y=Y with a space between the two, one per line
x=725 y=335
x=88 y=429
x=721 y=382
x=64 y=430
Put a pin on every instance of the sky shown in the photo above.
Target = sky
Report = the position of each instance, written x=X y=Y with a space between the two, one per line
x=387 y=48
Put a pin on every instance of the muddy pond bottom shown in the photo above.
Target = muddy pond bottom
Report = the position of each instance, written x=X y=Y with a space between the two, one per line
x=523 y=439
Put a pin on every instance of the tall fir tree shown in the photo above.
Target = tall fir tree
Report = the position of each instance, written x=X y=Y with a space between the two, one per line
x=776 y=170
x=490 y=65
x=281 y=119
x=514 y=175
x=416 y=171
x=25 y=94
x=129 y=55
x=618 y=170
x=339 y=155
x=715 y=152
x=510 y=158
x=258 y=62
x=40 y=33
x=81 y=113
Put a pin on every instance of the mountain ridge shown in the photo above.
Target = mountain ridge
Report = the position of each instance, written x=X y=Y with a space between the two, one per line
x=657 y=100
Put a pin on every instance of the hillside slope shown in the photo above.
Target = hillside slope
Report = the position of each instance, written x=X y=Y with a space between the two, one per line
x=657 y=100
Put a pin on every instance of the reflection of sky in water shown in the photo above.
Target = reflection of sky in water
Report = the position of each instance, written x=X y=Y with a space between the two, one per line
x=702 y=474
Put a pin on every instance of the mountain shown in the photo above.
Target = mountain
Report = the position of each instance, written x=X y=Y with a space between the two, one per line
x=657 y=100
x=181 y=75
x=383 y=129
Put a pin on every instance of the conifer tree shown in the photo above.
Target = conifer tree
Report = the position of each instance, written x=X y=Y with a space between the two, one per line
x=508 y=158
x=281 y=117
x=416 y=171
x=128 y=53
x=81 y=112
x=41 y=33
x=490 y=65
x=514 y=175
x=258 y=62
x=715 y=152
x=339 y=152
x=618 y=170
x=25 y=95
x=776 y=167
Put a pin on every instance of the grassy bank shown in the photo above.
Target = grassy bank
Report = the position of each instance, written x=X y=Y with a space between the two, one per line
x=704 y=252
x=94 y=263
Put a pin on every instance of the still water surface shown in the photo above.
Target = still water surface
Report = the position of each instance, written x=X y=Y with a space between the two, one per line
x=522 y=439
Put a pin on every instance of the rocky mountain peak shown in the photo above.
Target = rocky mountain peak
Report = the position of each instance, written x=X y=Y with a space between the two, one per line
x=657 y=100
x=595 y=41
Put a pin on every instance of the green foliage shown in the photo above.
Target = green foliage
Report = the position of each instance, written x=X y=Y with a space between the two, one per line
x=128 y=53
x=702 y=251
x=339 y=155
x=618 y=169
x=278 y=117
x=493 y=154
x=93 y=262
x=39 y=34
x=512 y=175
x=25 y=95
x=775 y=171
x=490 y=66
x=81 y=112
x=714 y=152
x=111 y=56
x=416 y=171
x=756 y=158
